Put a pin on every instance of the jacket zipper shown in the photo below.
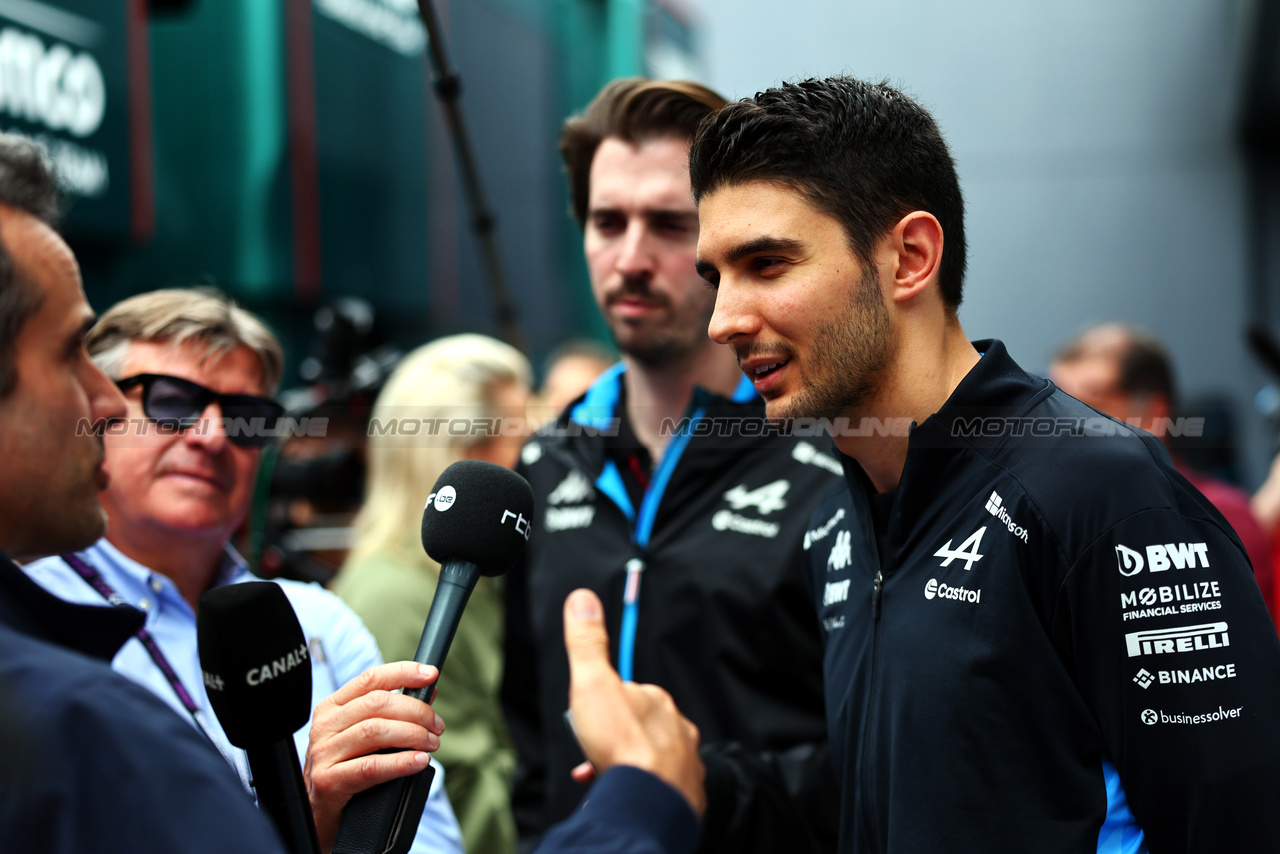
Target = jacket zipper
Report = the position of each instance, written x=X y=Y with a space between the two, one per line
x=869 y=725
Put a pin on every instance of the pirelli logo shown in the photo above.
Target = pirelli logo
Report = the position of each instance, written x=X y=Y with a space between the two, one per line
x=1183 y=639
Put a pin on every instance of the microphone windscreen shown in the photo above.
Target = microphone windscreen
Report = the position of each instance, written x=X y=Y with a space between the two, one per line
x=479 y=512
x=257 y=668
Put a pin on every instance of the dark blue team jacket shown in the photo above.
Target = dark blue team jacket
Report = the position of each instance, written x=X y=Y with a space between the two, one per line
x=1057 y=648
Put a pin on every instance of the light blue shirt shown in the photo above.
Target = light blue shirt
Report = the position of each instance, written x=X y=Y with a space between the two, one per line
x=341 y=649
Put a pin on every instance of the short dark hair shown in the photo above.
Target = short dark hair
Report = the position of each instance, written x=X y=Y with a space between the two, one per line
x=27 y=183
x=862 y=153
x=636 y=110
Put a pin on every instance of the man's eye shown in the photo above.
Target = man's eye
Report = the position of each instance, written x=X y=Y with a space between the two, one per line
x=608 y=224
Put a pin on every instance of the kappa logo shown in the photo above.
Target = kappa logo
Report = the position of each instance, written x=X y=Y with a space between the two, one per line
x=1160 y=557
x=766 y=499
x=968 y=551
x=841 y=552
x=573 y=489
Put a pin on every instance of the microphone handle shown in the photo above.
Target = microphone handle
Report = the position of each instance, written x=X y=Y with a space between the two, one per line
x=282 y=795
x=384 y=818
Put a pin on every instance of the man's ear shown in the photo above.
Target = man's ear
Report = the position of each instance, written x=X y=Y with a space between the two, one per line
x=916 y=247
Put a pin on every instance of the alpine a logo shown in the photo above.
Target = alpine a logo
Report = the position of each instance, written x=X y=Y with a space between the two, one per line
x=934 y=588
x=1177 y=640
x=968 y=551
x=766 y=499
x=995 y=506
x=1159 y=558
x=573 y=489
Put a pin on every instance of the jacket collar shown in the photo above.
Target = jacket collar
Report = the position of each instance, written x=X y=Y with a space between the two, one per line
x=93 y=630
x=598 y=412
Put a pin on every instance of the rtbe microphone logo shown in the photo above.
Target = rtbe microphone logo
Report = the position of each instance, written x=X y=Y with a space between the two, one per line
x=522 y=524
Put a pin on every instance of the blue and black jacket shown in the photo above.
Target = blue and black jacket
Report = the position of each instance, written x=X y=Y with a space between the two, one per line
x=1056 y=646
x=718 y=610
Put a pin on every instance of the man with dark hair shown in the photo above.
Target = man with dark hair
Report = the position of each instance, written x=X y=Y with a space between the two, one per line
x=91 y=746
x=1038 y=636
x=1127 y=373
x=655 y=491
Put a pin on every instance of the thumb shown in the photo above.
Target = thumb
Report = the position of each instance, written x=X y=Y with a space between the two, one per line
x=585 y=638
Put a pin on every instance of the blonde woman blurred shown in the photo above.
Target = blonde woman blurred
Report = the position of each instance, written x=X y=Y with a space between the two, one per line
x=460 y=397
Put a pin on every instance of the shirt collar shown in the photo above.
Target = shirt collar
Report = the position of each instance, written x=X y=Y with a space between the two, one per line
x=133 y=580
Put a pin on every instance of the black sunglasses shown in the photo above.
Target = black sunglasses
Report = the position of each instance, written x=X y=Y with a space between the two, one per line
x=177 y=404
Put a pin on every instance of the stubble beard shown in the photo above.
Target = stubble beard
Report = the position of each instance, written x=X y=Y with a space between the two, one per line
x=661 y=344
x=851 y=355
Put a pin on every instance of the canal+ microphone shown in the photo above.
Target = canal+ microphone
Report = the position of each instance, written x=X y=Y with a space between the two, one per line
x=476 y=522
x=257 y=673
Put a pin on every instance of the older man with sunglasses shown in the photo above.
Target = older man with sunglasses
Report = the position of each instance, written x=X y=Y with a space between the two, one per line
x=196 y=371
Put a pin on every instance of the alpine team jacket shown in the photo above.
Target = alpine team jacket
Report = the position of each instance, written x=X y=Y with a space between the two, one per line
x=1060 y=647
x=724 y=618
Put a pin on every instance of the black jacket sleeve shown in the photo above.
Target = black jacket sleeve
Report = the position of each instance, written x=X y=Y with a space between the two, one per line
x=520 y=705
x=782 y=800
x=1173 y=650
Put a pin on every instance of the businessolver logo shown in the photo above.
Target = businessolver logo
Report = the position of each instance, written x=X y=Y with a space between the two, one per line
x=1177 y=640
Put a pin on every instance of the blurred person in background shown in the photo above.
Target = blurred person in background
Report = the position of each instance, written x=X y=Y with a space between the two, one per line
x=1127 y=374
x=474 y=390
x=571 y=369
x=198 y=372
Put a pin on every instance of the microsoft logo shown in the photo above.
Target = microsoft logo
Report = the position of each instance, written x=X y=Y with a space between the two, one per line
x=993 y=504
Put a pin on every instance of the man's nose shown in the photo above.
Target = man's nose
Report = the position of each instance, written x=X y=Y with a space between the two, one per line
x=734 y=317
x=210 y=431
x=635 y=257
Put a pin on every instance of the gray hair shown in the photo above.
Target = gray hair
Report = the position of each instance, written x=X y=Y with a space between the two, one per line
x=176 y=316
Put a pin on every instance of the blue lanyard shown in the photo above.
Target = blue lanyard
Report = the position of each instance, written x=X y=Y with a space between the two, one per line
x=610 y=483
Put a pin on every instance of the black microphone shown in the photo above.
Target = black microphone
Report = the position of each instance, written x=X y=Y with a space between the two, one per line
x=476 y=522
x=257 y=673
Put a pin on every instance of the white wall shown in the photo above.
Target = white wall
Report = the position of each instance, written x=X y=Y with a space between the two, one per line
x=1095 y=145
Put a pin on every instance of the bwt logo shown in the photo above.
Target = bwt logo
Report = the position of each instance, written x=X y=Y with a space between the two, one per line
x=522 y=524
x=1162 y=557
x=1181 y=639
